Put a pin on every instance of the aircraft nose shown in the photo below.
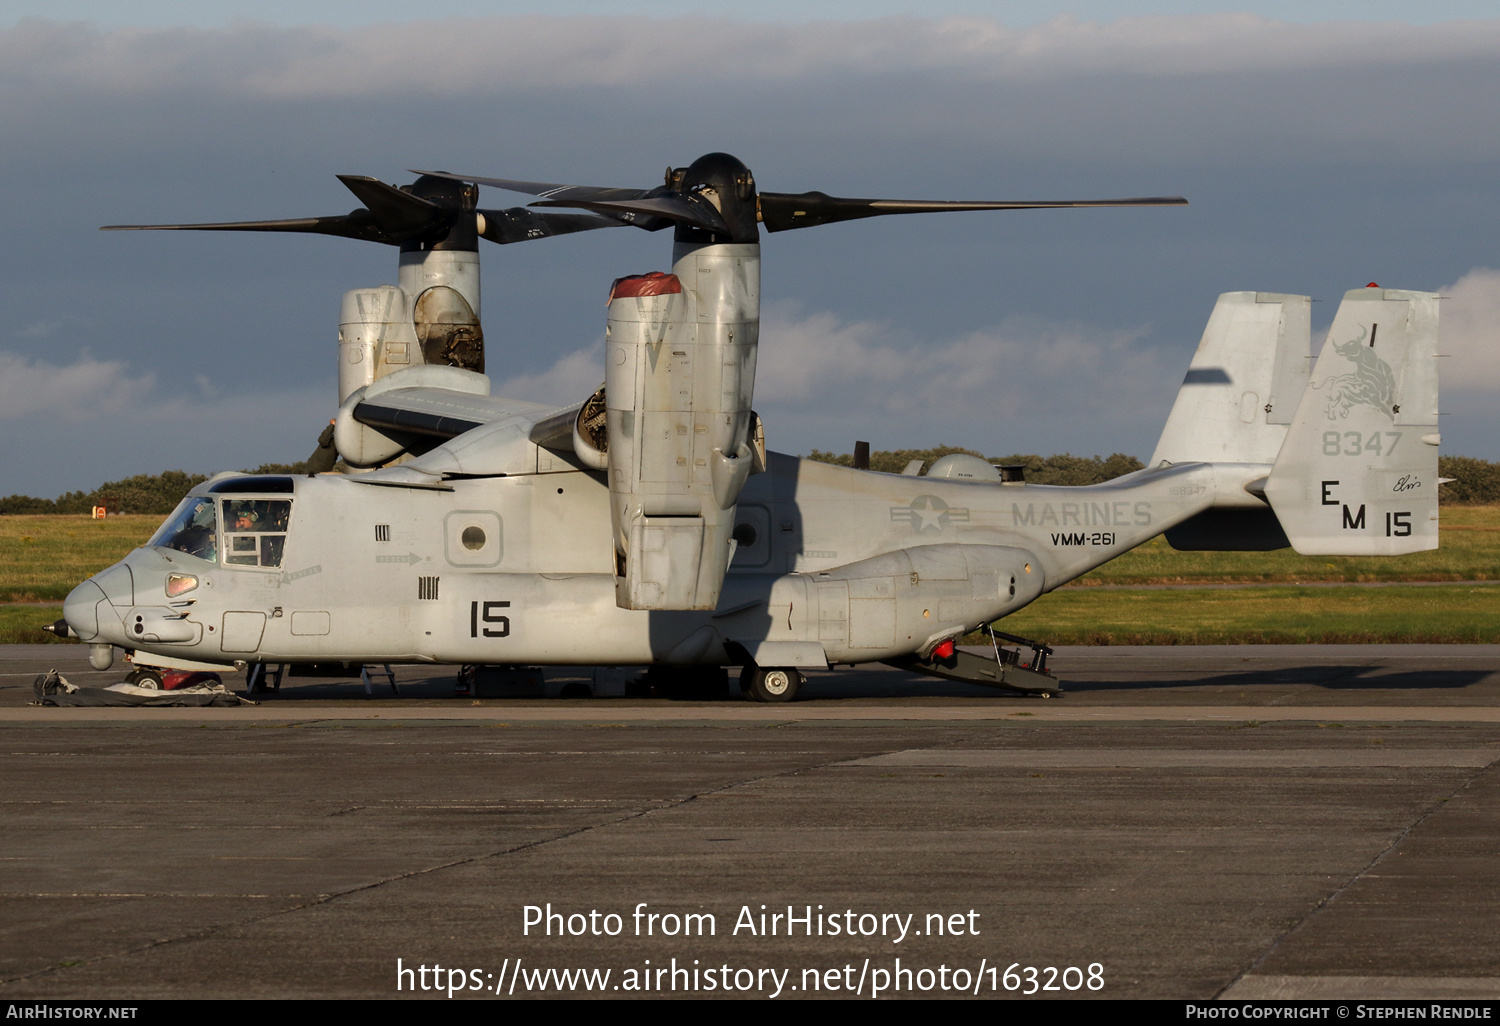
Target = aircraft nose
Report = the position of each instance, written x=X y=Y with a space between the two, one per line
x=113 y=589
x=81 y=610
x=118 y=584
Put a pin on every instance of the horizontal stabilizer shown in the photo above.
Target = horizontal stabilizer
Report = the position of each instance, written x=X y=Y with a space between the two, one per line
x=1244 y=383
x=1229 y=530
x=1357 y=474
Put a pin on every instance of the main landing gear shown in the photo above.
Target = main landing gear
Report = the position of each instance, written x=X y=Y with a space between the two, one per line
x=770 y=684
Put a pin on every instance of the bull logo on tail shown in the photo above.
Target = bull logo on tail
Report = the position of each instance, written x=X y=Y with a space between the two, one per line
x=1371 y=384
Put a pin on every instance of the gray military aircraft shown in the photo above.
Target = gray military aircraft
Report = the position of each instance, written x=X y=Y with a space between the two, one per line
x=648 y=523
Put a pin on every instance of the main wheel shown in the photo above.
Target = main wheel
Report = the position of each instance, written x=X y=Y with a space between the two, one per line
x=772 y=684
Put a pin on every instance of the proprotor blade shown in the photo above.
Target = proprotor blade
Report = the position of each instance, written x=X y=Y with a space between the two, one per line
x=695 y=198
x=547 y=190
x=392 y=216
x=673 y=206
x=357 y=225
x=520 y=224
x=650 y=209
x=401 y=215
x=783 y=211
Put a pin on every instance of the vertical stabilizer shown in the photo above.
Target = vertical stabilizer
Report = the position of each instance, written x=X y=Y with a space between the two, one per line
x=1244 y=382
x=1357 y=474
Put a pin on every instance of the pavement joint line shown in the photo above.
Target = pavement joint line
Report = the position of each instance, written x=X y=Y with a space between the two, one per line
x=322 y=899
x=129 y=894
x=1328 y=899
x=325 y=899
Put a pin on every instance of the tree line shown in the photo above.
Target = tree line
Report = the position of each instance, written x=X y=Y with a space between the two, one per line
x=1475 y=482
x=143 y=493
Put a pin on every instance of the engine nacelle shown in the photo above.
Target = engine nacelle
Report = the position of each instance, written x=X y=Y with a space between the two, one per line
x=430 y=319
x=443 y=288
x=376 y=337
x=680 y=354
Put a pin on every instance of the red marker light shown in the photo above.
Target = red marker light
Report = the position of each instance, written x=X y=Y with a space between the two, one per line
x=944 y=649
x=1372 y=285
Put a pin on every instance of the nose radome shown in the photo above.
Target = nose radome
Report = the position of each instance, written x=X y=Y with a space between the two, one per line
x=81 y=610
x=118 y=584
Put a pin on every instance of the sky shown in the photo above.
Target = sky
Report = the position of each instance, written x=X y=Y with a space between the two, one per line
x=1014 y=13
x=1322 y=145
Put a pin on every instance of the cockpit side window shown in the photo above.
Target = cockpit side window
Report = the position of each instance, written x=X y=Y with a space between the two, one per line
x=255 y=531
x=192 y=528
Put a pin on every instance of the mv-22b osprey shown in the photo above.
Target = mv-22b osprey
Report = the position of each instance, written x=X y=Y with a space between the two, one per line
x=648 y=524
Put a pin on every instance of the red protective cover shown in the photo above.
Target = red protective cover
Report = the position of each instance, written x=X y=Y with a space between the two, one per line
x=657 y=283
x=171 y=680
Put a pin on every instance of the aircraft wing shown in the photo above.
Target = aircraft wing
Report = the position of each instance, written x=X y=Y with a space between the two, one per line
x=450 y=408
x=439 y=412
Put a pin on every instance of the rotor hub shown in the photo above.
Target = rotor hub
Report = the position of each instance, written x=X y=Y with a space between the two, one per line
x=727 y=184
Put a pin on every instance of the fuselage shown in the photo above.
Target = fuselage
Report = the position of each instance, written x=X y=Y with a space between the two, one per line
x=520 y=569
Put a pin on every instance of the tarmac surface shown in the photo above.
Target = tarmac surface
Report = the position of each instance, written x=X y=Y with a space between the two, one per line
x=1233 y=822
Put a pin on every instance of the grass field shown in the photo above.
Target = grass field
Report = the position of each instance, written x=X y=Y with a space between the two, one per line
x=22 y=625
x=1276 y=615
x=43 y=557
x=1468 y=550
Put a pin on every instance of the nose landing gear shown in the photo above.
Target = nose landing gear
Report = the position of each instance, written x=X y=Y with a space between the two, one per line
x=144 y=677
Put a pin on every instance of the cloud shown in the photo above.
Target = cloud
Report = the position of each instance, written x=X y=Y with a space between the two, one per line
x=1288 y=138
x=462 y=56
x=87 y=389
x=74 y=427
x=42 y=329
x=572 y=379
x=1024 y=382
x=821 y=380
x=1469 y=332
x=1021 y=365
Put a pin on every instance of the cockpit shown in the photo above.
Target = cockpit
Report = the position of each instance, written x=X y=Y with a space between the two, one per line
x=242 y=522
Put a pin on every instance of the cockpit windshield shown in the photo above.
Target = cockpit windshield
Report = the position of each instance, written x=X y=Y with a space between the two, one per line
x=255 y=531
x=192 y=528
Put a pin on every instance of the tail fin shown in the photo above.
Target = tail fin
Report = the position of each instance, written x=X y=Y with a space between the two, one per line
x=1357 y=474
x=1243 y=384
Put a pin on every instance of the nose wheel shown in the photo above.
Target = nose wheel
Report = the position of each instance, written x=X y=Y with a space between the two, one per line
x=149 y=679
x=770 y=684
